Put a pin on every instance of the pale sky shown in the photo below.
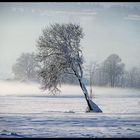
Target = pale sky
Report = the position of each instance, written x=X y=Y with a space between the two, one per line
x=108 y=28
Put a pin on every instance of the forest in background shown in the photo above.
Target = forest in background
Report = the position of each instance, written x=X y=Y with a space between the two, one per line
x=109 y=73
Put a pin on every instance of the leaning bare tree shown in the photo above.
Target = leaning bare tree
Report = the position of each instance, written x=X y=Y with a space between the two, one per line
x=59 y=53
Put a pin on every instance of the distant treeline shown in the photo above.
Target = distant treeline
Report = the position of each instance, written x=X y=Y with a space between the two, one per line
x=111 y=72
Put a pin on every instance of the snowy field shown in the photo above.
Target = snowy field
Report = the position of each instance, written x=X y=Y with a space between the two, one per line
x=26 y=111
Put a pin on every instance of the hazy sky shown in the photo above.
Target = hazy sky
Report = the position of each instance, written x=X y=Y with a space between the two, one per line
x=108 y=27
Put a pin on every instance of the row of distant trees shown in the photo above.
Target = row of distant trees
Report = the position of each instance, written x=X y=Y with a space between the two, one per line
x=111 y=72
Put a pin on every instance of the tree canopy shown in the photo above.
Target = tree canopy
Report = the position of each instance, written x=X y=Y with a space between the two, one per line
x=26 y=67
x=59 y=54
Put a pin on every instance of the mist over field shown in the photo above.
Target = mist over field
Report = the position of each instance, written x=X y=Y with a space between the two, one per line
x=17 y=88
x=71 y=92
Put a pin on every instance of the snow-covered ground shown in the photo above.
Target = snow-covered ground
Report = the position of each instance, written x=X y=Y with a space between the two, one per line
x=26 y=111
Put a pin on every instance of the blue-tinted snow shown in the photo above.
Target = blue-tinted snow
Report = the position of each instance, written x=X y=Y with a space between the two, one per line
x=25 y=112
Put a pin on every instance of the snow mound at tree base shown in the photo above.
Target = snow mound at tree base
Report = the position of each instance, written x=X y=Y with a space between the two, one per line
x=94 y=107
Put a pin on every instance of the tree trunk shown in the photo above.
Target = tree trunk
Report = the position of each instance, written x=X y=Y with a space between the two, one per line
x=91 y=105
x=85 y=93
